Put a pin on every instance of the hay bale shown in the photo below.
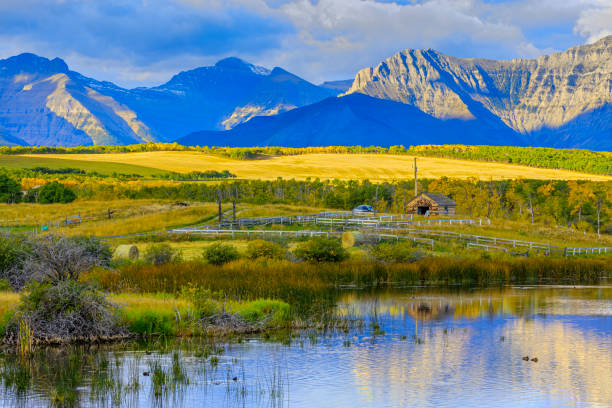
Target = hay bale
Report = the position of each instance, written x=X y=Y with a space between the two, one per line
x=354 y=238
x=127 y=252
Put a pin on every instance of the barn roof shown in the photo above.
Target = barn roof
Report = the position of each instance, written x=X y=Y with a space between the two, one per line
x=439 y=198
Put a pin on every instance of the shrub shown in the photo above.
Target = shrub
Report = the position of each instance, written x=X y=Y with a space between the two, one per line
x=13 y=253
x=260 y=248
x=395 y=252
x=55 y=192
x=65 y=312
x=321 y=250
x=159 y=254
x=95 y=249
x=4 y=285
x=10 y=190
x=57 y=258
x=220 y=253
x=49 y=258
x=202 y=300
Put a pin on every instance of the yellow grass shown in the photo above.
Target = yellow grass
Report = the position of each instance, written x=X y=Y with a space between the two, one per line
x=330 y=166
x=36 y=214
x=174 y=218
x=193 y=250
x=148 y=301
x=8 y=300
x=524 y=231
x=274 y=210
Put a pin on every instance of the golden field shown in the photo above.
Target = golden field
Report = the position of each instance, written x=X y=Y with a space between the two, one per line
x=324 y=166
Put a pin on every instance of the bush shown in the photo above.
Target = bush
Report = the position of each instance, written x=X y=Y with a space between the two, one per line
x=65 y=312
x=95 y=249
x=395 y=252
x=260 y=248
x=55 y=192
x=49 y=258
x=202 y=299
x=10 y=190
x=160 y=254
x=57 y=258
x=219 y=253
x=321 y=250
x=13 y=253
x=4 y=285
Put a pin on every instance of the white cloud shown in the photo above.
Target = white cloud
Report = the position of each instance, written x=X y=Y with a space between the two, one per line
x=595 y=23
x=144 y=42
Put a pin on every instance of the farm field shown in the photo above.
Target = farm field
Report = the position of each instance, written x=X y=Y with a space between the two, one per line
x=23 y=162
x=324 y=166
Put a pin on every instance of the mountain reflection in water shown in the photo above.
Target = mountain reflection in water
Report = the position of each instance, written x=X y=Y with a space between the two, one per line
x=416 y=347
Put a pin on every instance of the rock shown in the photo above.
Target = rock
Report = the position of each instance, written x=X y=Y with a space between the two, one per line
x=540 y=98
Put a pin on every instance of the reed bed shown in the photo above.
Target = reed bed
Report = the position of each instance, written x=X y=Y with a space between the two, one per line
x=295 y=282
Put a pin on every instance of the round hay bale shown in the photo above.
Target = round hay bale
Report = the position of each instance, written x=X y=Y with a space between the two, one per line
x=353 y=238
x=127 y=252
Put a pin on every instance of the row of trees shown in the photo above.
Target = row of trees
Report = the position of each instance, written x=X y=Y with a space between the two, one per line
x=53 y=192
x=570 y=159
x=587 y=205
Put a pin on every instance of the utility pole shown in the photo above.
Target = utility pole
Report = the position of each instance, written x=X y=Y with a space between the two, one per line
x=234 y=195
x=220 y=210
x=416 y=191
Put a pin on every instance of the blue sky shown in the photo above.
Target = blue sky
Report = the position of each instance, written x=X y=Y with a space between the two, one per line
x=145 y=42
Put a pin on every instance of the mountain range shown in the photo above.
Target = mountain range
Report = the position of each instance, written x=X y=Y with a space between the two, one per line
x=413 y=97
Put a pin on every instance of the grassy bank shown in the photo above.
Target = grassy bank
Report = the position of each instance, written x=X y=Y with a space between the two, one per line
x=147 y=314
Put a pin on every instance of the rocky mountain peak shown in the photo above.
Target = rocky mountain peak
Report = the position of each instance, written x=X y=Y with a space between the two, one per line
x=33 y=64
x=529 y=95
x=237 y=64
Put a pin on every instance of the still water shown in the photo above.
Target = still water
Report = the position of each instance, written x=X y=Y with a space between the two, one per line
x=413 y=347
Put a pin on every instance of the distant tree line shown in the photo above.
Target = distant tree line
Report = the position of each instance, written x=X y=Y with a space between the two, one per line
x=586 y=205
x=80 y=174
x=583 y=204
x=569 y=159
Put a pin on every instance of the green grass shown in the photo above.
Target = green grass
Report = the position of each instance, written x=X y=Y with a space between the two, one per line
x=28 y=162
x=163 y=314
x=7 y=303
x=274 y=312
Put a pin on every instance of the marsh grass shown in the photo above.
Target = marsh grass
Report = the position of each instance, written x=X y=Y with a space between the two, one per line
x=8 y=300
x=297 y=282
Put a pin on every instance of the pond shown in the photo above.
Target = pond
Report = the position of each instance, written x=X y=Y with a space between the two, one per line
x=408 y=347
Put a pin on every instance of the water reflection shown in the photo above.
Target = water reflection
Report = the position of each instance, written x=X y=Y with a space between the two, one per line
x=418 y=347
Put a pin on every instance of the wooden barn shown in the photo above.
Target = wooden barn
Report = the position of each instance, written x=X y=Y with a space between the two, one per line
x=431 y=204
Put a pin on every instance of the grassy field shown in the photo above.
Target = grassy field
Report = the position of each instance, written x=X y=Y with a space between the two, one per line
x=324 y=166
x=131 y=216
x=23 y=162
